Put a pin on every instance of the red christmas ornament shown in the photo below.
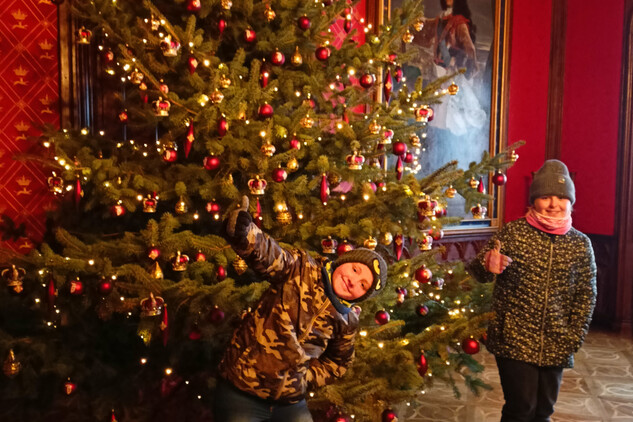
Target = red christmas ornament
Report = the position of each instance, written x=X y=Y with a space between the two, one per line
x=481 y=188
x=387 y=86
x=343 y=247
x=499 y=178
x=278 y=58
x=422 y=310
x=304 y=22
x=69 y=387
x=170 y=153
x=399 y=148
x=249 y=35
x=423 y=274
x=216 y=316
x=347 y=24
x=325 y=189
x=399 y=168
x=279 y=175
x=79 y=192
x=220 y=273
x=51 y=293
x=470 y=346
x=322 y=53
x=409 y=158
x=264 y=76
x=76 y=287
x=200 y=256
x=193 y=6
x=117 y=210
x=106 y=285
x=153 y=252
x=221 y=25
x=398 y=246
x=367 y=80
x=382 y=317
x=195 y=333
x=295 y=143
x=398 y=73
x=211 y=162
x=193 y=64
x=223 y=126
x=265 y=111
x=189 y=139
x=213 y=207
x=436 y=233
x=423 y=365
x=393 y=57
x=388 y=415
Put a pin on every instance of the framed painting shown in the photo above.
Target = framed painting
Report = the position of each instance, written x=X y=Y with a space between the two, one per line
x=461 y=34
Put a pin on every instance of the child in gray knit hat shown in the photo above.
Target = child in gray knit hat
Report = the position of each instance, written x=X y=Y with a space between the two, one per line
x=301 y=333
x=544 y=295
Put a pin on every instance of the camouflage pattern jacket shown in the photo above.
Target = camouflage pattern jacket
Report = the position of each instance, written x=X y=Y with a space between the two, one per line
x=544 y=299
x=295 y=337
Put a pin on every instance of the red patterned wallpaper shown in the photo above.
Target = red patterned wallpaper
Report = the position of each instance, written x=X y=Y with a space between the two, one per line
x=28 y=97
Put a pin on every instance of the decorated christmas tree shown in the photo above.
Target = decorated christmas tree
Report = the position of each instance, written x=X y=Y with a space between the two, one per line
x=124 y=311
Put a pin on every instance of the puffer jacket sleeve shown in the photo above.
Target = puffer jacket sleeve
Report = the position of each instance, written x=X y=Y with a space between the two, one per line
x=476 y=267
x=584 y=299
x=264 y=255
x=337 y=357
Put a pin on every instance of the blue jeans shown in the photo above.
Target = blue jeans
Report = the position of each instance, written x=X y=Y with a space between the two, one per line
x=530 y=391
x=233 y=405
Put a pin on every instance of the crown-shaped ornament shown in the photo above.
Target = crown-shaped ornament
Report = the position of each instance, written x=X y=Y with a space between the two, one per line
x=425 y=242
x=479 y=211
x=257 y=186
x=179 y=262
x=329 y=245
x=170 y=47
x=424 y=114
x=415 y=140
x=84 y=35
x=14 y=276
x=150 y=203
x=161 y=107
x=355 y=161
x=374 y=127
x=387 y=136
x=426 y=206
x=136 y=77
x=152 y=305
x=55 y=184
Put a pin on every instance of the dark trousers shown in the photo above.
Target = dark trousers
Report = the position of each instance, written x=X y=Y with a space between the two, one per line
x=233 y=405
x=530 y=391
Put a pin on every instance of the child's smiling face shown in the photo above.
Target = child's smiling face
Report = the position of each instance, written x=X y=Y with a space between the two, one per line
x=351 y=280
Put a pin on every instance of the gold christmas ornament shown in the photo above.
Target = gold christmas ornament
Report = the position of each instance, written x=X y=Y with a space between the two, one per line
x=386 y=238
x=181 y=206
x=14 y=277
x=239 y=265
x=474 y=183
x=269 y=13
x=425 y=243
x=370 y=243
x=136 y=77
x=11 y=365
x=418 y=25
x=307 y=122
x=283 y=215
x=216 y=97
x=292 y=164
x=154 y=23
x=514 y=156
x=268 y=149
x=407 y=37
x=296 y=59
x=224 y=81
x=156 y=272
x=453 y=89
x=450 y=192
x=415 y=140
x=374 y=127
x=227 y=4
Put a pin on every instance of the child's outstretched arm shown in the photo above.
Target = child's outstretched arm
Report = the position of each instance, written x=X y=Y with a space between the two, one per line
x=262 y=253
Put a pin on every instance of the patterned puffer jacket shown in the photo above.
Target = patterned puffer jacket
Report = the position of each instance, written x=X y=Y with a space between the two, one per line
x=544 y=299
x=295 y=337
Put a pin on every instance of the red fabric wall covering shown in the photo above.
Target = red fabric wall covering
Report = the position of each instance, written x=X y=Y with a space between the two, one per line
x=593 y=62
x=527 y=110
x=28 y=97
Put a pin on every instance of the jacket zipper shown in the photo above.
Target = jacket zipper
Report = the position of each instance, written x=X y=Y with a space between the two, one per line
x=299 y=339
x=549 y=270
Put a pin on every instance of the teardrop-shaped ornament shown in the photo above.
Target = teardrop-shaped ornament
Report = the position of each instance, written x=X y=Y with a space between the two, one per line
x=325 y=189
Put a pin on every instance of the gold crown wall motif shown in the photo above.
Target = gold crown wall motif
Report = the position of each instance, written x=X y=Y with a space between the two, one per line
x=257 y=186
x=23 y=181
x=18 y=15
x=20 y=71
x=45 y=45
x=46 y=101
x=22 y=127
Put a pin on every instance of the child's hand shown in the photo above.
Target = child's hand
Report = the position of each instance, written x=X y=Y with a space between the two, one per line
x=238 y=220
x=494 y=261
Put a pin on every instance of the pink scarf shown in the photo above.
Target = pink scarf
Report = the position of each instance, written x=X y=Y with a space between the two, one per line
x=547 y=224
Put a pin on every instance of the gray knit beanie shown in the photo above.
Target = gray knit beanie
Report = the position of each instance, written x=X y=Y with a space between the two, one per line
x=373 y=261
x=552 y=179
